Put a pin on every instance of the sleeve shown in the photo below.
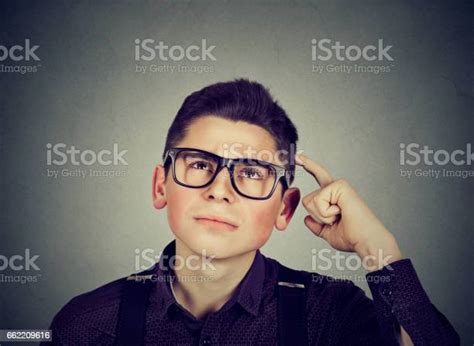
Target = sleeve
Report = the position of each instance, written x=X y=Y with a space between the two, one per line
x=358 y=322
x=400 y=300
x=72 y=326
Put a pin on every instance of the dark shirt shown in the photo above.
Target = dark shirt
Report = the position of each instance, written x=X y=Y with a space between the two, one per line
x=337 y=311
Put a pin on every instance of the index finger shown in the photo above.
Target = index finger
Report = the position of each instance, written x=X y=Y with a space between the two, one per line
x=322 y=176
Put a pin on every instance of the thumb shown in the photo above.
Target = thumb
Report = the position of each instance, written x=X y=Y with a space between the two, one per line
x=313 y=225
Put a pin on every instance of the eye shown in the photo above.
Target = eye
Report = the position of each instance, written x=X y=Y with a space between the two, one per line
x=201 y=165
x=251 y=173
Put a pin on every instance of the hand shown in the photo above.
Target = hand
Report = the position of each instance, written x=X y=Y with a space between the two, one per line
x=340 y=216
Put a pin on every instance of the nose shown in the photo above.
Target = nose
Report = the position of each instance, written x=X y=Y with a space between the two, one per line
x=221 y=188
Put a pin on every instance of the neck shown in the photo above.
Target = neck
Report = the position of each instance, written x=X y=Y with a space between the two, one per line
x=204 y=289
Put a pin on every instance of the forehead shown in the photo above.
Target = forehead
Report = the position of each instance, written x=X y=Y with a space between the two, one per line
x=230 y=139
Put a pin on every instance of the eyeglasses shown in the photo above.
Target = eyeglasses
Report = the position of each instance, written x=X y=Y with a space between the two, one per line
x=251 y=178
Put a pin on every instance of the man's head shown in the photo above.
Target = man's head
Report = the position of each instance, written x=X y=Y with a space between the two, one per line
x=237 y=119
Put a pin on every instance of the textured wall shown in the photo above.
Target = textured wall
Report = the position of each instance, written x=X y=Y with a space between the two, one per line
x=86 y=92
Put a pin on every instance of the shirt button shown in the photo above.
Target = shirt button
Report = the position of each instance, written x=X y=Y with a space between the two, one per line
x=386 y=292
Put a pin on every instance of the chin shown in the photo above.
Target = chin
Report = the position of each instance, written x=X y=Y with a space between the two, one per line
x=215 y=246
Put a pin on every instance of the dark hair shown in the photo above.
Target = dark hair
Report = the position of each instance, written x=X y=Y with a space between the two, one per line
x=238 y=100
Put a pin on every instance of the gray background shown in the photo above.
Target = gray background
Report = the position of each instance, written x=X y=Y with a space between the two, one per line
x=87 y=94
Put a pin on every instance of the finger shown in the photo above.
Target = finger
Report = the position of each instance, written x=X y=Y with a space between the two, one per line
x=324 y=220
x=322 y=176
x=326 y=209
x=316 y=218
x=313 y=225
x=308 y=199
x=330 y=220
x=312 y=209
x=318 y=205
x=310 y=206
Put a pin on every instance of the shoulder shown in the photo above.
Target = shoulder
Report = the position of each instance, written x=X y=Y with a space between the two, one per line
x=334 y=307
x=91 y=313
x=321 y=288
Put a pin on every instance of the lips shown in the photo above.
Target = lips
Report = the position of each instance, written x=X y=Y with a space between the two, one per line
x=217 y=220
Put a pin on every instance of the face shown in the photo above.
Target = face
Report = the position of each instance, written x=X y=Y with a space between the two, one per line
x=216 y=218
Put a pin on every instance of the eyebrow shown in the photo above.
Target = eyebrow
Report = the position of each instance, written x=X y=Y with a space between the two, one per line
x=209 y=155
x=197 y=154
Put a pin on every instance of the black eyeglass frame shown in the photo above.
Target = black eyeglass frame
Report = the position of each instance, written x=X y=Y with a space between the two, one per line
x=281 y=173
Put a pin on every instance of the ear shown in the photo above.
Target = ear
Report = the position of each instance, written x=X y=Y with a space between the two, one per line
x=290 y=201
x=159 y=190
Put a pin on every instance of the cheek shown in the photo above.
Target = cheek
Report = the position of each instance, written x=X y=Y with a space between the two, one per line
x=263 y=220
x=177 y=206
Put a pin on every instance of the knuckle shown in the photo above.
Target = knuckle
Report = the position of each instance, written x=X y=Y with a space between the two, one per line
x=320 y=204
x=325 y=213
x=308 y=204
x=343 y=182
x=308 y=200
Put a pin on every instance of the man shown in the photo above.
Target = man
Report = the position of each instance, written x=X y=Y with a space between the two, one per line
x=228 y=164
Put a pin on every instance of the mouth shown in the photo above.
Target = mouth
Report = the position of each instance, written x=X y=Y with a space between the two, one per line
x=216 y=222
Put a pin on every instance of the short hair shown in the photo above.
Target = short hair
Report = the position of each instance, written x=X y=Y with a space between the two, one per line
x=237 y=100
